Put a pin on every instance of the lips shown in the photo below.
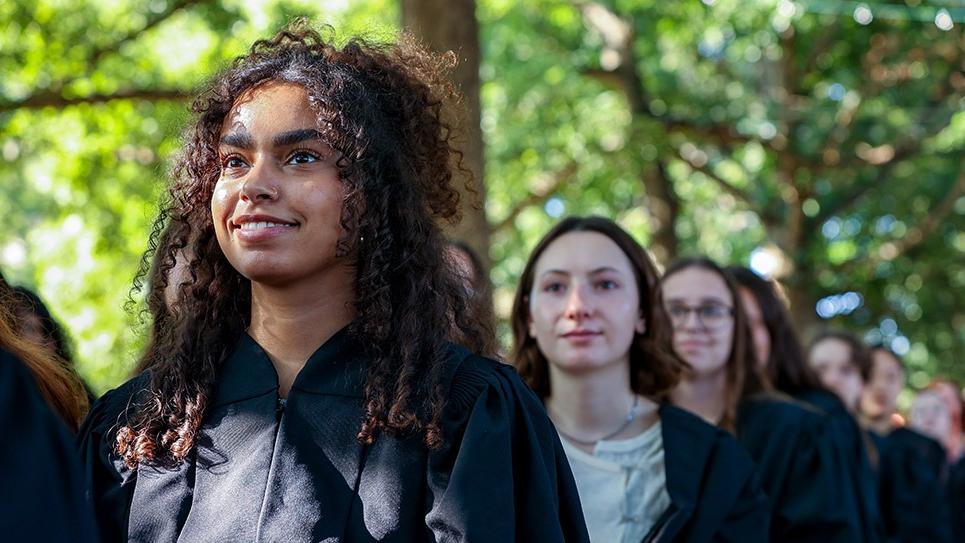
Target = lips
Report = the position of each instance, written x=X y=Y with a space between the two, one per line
x=576 y=334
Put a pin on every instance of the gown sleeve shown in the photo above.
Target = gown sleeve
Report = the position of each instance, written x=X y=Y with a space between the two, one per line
x=800 y=474
x=503 y=475
x=108 y=484
x=40 y=482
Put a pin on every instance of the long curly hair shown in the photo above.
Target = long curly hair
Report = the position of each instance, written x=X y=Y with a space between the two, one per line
x=59 y=386
x=384 y=109
x=654 y=369
x=786 y=366
x=743 y=377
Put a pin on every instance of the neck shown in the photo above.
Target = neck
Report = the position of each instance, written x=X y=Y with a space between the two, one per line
x=292 y=322
x=703 y=395
x=881 y=424
x=593 y=404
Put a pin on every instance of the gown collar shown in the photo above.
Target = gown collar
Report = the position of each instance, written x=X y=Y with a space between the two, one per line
x=337 y=367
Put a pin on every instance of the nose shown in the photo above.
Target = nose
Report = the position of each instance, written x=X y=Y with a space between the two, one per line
x=578 y=304
x=691 y=321
x=259 y=184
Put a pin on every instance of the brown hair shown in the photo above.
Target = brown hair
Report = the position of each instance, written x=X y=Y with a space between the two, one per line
x=381 y=107
x=654 y=370
x=62 y=390
x=786 y=367
x=743 y=376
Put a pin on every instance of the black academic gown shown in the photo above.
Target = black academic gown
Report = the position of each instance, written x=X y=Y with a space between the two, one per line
x=715 y=494
x=798 y=470
x=956 y=501
x=263 y=471
x=41 y=488
x=911 y=477
x=850 y=445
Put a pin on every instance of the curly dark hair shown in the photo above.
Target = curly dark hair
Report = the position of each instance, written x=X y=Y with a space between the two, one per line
x=382 y=108
x=786 y=367
x=654 y=369
x=743 y=376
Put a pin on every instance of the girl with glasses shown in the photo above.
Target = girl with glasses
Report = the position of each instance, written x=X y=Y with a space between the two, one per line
x=725 y=386
x=591 y=340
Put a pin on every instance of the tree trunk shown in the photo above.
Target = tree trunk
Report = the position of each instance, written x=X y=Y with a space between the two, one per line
x=450 y=25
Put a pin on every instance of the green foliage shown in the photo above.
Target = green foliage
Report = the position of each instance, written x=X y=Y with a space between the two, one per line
x=780 y=125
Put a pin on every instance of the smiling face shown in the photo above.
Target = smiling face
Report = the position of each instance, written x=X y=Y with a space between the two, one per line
x=584 y=307
x=278 y=202
x=701 y=308
x=832 y=360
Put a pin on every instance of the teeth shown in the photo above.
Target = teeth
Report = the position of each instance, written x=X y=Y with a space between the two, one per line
x=258 y=225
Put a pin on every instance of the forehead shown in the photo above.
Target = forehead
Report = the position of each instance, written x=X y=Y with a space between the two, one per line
x=270 y=108
x=885 y=362
x=581 y=252
x=831 y=349
x=695 y=284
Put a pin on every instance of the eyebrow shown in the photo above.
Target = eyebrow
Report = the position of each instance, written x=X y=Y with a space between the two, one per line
x=596 y=271
x=243 y=139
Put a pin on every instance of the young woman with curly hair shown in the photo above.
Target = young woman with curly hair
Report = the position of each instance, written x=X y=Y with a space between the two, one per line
x=301 y=386
x=41 y=402
x=726 y=386
x=592 y=343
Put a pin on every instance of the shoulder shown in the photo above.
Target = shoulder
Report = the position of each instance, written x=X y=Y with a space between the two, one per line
x=683 y=429
x=779 y=409
x=109 y=412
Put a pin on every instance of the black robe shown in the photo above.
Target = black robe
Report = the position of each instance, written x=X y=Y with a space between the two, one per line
x=269 y=471
x=956 y=499
x=715 y=494
x=850 y=444
x=911 y=477
x=41 y=488
x=798 y=470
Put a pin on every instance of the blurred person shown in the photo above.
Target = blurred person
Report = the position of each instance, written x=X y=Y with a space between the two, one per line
x=41 y=483
x=36 y=324
x=467 y=265
x=727 y=386
x=951 y=394
x=591 y=340
x=780 y=354
x=912 y=470
x=842 y=363
x=929 y=416
x=302 y=386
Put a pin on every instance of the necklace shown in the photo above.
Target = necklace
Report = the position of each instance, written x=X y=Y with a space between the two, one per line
x=631 y=414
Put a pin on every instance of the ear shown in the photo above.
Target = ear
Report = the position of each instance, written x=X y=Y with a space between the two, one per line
x=641 y=325
x=530 y=328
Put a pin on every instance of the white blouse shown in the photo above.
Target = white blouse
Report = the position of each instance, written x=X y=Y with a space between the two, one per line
x=622 y=486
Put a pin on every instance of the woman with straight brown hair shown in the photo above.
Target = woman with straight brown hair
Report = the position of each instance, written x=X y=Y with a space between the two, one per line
x=42 y=488
x=591 y=341
x=726 y=386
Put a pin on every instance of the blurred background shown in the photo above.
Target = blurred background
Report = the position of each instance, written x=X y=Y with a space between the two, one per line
x=819 y=141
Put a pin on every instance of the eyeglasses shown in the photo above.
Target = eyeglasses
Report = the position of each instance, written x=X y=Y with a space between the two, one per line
x=710 y=316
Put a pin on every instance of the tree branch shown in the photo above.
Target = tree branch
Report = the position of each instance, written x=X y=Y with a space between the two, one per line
x=704 y=168
x=543 y=189
x=55 y=99
x=917 y=235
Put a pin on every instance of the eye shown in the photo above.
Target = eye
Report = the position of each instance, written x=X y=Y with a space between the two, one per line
x=607 y=284
x=303 y=157
x=677 y=311
x=553 y=287
x=232 y=162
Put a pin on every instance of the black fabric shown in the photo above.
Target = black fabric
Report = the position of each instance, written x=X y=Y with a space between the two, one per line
x=859 y=490
x=41 y=487
x=911 y=479
x=715 y=494
x=956 y=499
x=261 y=472
x=798 y=470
